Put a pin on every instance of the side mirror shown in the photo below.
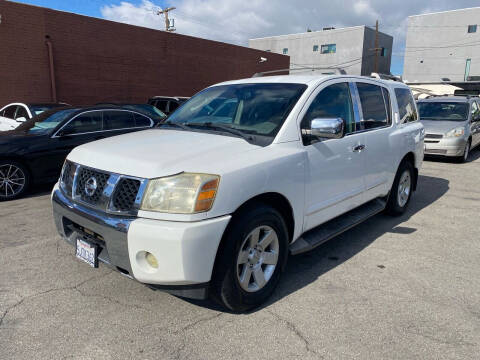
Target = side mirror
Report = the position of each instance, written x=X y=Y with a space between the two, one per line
x=21 y=119
x=329 y=128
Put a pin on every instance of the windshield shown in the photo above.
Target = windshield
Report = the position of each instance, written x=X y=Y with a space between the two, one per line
x=446 y=111
x=45 y=122
x=38 y=109
x=146 y=109
x=257 y=109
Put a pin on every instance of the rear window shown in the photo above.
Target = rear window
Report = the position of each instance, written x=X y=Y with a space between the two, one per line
x=406 y=105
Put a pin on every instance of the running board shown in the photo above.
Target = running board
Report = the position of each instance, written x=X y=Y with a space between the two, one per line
x=317 y=236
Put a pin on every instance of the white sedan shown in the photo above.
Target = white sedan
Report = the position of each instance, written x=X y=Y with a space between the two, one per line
x=12 y=115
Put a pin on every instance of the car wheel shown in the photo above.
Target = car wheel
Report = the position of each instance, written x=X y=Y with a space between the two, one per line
x=251 y=258
x=401 y=191
x=14 y=180
x=466 y=153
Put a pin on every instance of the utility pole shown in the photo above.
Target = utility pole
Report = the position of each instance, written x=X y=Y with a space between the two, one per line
x=376 y=47
x=167 y=22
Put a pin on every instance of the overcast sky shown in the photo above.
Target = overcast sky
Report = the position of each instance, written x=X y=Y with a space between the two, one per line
x=235 y=21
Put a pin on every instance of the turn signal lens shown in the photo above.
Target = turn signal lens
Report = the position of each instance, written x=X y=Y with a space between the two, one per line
x=206 y=196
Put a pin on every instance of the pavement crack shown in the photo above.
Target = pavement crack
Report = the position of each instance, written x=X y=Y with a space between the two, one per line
x=291 y=326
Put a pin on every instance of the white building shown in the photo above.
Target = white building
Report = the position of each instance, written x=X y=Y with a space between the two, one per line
x=351 y=49
x=443 y=45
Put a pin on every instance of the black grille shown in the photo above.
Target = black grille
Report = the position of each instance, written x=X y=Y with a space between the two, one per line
x=101 y=179
x=67 y=177
x=125 y=194
x=434 y=136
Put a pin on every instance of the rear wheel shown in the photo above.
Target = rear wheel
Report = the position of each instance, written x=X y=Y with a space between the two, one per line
x=251 y=258
x=14 y=180
x=401 y=189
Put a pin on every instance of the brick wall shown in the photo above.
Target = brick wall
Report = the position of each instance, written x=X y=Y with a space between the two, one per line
x=97 y=60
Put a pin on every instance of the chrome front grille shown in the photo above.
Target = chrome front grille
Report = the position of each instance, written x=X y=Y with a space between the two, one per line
x=108 y=192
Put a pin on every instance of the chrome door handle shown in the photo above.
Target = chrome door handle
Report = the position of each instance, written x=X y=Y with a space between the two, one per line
x=359 y=148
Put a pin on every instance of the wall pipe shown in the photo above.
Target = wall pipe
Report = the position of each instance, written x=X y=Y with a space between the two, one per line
x=52 y=69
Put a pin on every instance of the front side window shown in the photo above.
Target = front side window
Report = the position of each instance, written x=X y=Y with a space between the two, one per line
x=162 y=105
x=329 y=49
x=173 y=106
x=21 y=113
x=472 y=29
x=115 y=120
x=335 y=102
x=475 y=111
x=374 y=105
x=406 y=105
x=46 y=122
x=443 y=111
x=254 y=109
x=84 y=123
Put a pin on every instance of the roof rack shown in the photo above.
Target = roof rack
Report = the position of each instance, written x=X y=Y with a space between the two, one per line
x=327 y=71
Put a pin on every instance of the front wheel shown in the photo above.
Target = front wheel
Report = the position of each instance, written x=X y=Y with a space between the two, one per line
x=401 y=190
x=14 y=180
x=252 y=256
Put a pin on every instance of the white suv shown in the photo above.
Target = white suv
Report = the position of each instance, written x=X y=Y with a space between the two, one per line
x=212 y=202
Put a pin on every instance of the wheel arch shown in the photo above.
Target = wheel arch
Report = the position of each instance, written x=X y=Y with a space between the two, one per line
x=410 y=157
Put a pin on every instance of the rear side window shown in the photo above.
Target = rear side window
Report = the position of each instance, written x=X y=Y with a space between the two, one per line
x=173 y=106
x=9 y=112
x=475 y=111
x=84 y=123
x=374 y=106
x=141 y=121
x=115 y=120
x=406 y=105
x=162 y=105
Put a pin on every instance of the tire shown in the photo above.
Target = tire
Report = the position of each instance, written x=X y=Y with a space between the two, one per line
x=466 y=152
x=401 y=191
x=238 y=259
x=14 y=180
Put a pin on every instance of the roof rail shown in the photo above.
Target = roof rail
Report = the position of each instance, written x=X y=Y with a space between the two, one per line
x=326 y=71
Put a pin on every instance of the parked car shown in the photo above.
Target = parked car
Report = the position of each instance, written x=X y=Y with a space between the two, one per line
x=35 y=151
x=147 y=109
x=12 y=115
x=452 y=125
x=211 y=203
x=167 y=104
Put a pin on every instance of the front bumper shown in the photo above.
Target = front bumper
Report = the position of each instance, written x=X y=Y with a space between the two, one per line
x=185 y=251
x=445 y=146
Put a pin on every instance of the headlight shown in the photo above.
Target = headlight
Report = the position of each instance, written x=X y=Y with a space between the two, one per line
x=186 y=193
x=457 y=132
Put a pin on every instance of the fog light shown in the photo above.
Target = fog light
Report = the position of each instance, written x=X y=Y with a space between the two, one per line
x=151 y=260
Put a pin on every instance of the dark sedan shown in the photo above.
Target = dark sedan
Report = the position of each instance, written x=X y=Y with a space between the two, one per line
x=35 y=151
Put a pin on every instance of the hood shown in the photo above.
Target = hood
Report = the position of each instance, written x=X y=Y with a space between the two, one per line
x=156 y=153
x=441 y=126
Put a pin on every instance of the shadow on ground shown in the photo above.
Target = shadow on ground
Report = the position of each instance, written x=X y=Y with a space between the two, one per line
x=304 y=269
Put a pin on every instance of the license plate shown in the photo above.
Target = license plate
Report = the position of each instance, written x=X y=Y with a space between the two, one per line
x=87 y=252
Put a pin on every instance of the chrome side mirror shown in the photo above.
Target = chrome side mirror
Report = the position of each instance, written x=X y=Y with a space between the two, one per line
x=329 y=128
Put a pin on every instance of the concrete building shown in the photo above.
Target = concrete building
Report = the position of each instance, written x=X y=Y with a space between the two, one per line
x=443 y=45
x=47 y=55
x=351 y=49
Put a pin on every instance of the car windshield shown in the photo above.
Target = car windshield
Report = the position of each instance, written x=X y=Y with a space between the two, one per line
x=45 y=122
x=446 y=111
x=146 y=109
x=253 y=109
x=38 y=109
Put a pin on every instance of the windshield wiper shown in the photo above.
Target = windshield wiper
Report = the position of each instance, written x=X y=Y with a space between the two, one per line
x=169 y=123
x=223 y=127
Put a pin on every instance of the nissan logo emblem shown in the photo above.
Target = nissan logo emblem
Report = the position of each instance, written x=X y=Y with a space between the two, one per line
x=90 y=186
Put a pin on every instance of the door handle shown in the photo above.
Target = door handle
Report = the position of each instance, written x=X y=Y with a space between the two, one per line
x=359 y=148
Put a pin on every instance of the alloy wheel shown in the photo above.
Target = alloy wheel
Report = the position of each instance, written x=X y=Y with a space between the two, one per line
x=12 y=180
x=404 y=187
x=257 y=258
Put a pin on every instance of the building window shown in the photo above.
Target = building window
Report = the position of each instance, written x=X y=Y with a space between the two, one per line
x=285 y=51
x=384 y=52
x=329 y=49
x=472 y=29
x=315 y=47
